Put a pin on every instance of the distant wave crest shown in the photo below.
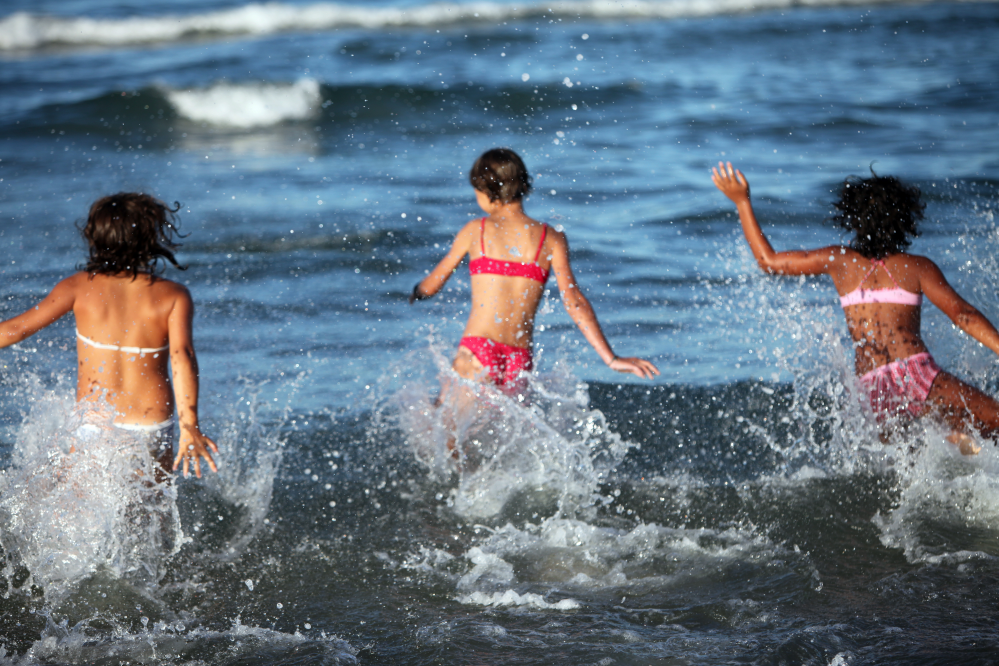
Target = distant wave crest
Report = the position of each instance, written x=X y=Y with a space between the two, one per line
x=26 y=31
x=248 y=105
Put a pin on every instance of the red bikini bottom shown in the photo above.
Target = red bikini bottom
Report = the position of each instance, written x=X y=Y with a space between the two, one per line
x=503 y=362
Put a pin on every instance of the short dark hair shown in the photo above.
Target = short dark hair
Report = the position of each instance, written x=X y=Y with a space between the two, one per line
x=501 y=175
x=882 y=211
x=130 y=232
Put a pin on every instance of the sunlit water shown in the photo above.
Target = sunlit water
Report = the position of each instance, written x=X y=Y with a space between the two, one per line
x=741 y=508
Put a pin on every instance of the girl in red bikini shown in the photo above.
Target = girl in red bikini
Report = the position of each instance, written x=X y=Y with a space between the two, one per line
x=129 y=322
x=881 y=290
x=511 y=256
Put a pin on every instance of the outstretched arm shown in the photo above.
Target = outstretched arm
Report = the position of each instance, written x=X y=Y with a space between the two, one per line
x=59 y=301
x=433 y=283
x=579 y=308
x=966 y=316
x=193 y=444
x=734 y=185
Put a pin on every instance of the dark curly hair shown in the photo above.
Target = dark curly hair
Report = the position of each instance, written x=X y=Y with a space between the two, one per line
x=882 y=211
x=130 y=232
x=501 y=175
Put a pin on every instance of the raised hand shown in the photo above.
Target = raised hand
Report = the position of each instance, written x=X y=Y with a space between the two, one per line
x=731 y=182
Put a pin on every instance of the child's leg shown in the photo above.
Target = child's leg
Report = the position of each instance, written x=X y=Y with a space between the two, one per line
x=457 y=397
x=960 y=403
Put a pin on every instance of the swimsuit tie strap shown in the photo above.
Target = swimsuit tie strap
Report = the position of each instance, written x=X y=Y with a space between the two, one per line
x=544 y=234
x=882 y=264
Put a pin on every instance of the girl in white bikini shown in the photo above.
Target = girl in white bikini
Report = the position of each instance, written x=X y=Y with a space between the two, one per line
x=129 y=322
x=881 y=290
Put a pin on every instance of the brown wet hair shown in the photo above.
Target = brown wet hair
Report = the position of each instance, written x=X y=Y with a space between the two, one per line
x=130 y=232
x=882 y=211
x=501 y=175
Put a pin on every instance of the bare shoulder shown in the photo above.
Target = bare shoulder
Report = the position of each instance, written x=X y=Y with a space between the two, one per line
x=467 y=232
x=74 y=281
x=924 y=267
x=556 y=236
x=919 y=262
x=170 y=290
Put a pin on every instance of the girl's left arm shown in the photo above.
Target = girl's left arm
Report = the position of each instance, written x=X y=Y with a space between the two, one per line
x=579 y=308
x=966 y=316
x=59 y=301
x=734 y=185
x=433 y=283
x=194 y=445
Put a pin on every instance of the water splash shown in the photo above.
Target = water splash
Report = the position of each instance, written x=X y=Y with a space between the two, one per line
x=534 y=480
x=83 y=496
x=544 y=448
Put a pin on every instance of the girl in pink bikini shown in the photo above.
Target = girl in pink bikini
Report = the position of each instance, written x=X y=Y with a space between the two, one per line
x=881 y=290
x=129 y=323
x=511 y=256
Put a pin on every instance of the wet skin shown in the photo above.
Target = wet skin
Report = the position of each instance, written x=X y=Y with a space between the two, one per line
x=882 y=332
x=504 y=307
x=129 y=312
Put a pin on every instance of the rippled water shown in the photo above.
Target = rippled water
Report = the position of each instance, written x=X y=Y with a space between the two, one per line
x=739 y=509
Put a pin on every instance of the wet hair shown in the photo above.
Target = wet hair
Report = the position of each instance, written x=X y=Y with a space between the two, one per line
x=882 y=211
x=501 y=175
x=130 y=232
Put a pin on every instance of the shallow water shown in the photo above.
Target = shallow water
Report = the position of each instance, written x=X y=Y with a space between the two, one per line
x=739 y=509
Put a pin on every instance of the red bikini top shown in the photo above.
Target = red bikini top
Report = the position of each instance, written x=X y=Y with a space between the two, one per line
x=487 y=266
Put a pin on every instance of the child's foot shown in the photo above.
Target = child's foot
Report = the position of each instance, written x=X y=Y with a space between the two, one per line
x=964 y=443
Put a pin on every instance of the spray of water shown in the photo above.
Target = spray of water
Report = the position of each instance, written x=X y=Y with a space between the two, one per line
x=532 y=476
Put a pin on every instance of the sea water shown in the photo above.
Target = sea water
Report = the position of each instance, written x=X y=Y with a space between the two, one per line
x=740 y=508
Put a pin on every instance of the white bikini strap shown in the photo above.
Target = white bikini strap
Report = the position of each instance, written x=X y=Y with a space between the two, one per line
x=127 y=350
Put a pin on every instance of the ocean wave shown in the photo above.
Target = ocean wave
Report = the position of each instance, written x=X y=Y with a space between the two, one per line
x=27 y=31
x=248 y=105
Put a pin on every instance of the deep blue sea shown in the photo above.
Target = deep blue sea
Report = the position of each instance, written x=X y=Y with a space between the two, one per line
x=741 y=509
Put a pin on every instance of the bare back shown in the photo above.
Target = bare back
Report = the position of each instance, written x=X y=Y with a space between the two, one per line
x=882 y=332
x=123 y=312
x=504 y=306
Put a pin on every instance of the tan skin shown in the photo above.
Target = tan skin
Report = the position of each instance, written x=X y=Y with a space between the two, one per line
x=144 y=312
x=504 y=307
x=882 y=332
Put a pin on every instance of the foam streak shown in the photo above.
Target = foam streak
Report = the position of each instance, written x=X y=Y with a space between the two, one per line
x=26 y=31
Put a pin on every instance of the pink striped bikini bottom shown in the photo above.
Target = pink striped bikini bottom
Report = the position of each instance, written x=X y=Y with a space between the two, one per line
x=901 y=386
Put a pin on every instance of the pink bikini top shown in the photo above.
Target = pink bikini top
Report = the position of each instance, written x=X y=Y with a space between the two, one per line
x=487 y=266
x=895 y=295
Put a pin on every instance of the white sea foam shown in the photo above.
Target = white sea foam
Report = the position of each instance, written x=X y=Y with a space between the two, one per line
x=24 y=31
x=578 y=558
x=943 y=490
x=60 y=643
x=511 y=598
x=248 y=105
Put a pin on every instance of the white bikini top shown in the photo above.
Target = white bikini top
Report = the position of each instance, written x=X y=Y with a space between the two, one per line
x=128 y=350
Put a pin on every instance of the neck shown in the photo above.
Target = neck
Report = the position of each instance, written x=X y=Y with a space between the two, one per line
x=501 y=210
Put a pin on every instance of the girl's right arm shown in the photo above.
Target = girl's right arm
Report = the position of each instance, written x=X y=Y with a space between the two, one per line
x=433 y=283
x=734 y=185
x=59 y=301
x=966 y=316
